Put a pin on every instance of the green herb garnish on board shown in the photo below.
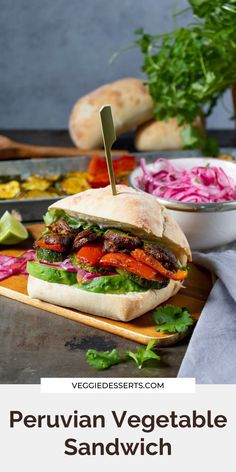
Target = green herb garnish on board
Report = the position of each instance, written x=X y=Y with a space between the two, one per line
x=102 y=360
x=172 y=319
x=143 y=355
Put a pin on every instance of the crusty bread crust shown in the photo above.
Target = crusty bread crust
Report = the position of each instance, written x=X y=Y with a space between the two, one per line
x=117 y=307
x=130 y=210
x=161 y=135
x=131 y=106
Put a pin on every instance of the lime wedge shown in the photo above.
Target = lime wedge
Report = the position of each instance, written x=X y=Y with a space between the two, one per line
x=11 y=230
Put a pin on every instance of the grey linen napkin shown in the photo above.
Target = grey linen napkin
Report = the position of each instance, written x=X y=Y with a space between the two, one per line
x=211 y=354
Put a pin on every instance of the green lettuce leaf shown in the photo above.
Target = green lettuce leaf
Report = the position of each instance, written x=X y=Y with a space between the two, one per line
x=53 y=215
x=111 y=284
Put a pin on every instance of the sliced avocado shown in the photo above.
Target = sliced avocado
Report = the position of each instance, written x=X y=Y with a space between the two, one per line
x=114 y=284
x=51 y=274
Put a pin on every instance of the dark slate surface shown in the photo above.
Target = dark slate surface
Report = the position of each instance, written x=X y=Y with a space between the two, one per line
x=36 y=344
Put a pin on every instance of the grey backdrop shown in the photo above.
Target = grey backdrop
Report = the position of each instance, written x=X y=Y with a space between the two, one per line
x=53 y=51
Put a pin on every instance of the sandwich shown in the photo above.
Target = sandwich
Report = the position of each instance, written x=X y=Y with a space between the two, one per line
x=113 y=256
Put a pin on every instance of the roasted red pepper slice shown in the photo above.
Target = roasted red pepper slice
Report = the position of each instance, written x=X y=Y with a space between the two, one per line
x=123 y=261
x=90 y=253
x=97 y=169
x=52 y=247
x=141 y=256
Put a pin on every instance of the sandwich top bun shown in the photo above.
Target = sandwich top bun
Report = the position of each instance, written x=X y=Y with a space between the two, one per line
x=130 y=210
x=131 y=106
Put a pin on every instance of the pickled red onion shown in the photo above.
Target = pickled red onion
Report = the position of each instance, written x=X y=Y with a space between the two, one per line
x=201 y=184
x=11 y=265
x=69 y=267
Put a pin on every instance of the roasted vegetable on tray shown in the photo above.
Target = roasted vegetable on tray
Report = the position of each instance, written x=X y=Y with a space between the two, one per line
x=56 y=185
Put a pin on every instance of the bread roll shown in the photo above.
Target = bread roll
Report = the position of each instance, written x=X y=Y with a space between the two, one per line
x=131 y=106
x=129 y=210
x=161 y=135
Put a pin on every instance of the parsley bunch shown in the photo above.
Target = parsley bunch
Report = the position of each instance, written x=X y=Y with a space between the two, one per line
x=190 y=68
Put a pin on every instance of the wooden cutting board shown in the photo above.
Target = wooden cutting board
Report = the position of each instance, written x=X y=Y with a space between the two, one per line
x=193 y=296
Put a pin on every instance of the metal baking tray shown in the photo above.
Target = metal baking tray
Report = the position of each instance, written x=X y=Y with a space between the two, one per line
x=32 y=209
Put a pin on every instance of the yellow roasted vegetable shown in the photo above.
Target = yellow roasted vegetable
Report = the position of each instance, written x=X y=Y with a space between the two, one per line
x=9 y=190
x=41 y=194
x=48 y=186
x=35 y=182
x=77 y=184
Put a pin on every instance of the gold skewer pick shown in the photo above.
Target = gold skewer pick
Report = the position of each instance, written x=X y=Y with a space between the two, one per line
x=109 y=137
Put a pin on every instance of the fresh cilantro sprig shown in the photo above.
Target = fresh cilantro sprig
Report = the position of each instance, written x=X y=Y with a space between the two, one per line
x=213 y=10
x=169 y=319
x=172 y=319
x=143 y=355
x=190 y=68
x=101 y=360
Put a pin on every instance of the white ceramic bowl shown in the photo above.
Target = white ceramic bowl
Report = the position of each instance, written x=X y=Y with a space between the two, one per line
x=205 y=225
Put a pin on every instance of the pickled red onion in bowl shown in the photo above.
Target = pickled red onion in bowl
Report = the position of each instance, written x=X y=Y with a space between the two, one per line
x=199 y=184
x=202 y=201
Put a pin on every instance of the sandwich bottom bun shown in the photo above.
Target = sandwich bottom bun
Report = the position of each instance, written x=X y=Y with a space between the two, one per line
x=123 y=307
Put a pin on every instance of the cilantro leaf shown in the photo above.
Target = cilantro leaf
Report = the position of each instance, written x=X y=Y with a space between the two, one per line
x=172 y=319
x=101 y=360
x=143 y=354
x=190 y=137
x=53 y=215
x=104 y=359
x=94 y=228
